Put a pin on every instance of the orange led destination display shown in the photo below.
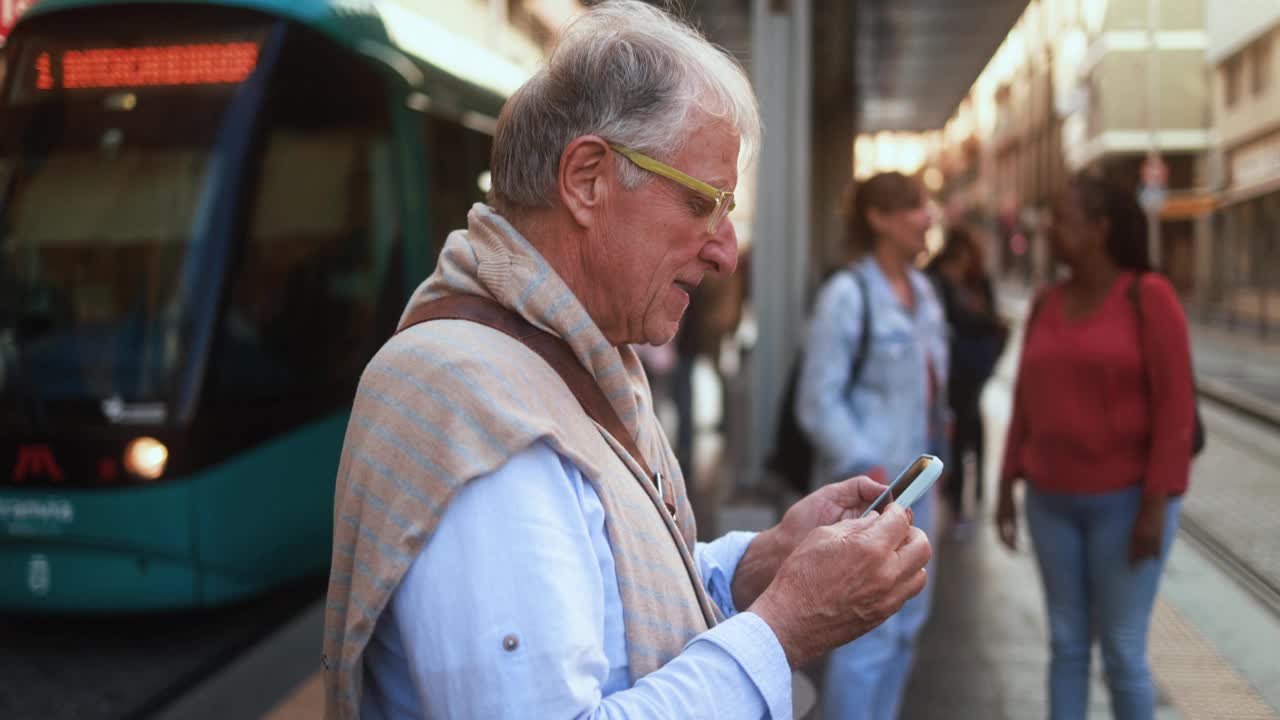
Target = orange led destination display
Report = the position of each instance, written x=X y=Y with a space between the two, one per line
x=171 y=65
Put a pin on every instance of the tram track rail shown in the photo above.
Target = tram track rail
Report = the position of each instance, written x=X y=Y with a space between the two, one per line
x=1238 y=402
x=1264 y=588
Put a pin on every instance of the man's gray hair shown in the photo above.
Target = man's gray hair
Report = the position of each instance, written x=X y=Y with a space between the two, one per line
x=630 y=73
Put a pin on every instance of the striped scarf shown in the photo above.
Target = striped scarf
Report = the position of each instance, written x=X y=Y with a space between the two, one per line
x=449 y=401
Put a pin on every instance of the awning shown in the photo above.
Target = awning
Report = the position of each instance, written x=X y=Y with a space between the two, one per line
x=1188 y=206
x=1237 y=195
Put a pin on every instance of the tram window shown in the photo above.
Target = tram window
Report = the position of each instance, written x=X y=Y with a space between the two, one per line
x=95 y=228
x=457 y=156
x=303 y=304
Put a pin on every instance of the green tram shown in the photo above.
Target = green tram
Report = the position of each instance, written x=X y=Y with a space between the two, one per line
x=211 y=214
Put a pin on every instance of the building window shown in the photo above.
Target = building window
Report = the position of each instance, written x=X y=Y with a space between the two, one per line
x=1260 y=54
x=1231 y=81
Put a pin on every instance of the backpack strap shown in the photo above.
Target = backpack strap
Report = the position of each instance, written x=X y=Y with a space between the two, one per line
x=1135 y=298
x=556 y=353
x=864 y=340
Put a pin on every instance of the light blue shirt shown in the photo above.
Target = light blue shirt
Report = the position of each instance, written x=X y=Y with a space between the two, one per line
x=884 y=420
x=513 y=611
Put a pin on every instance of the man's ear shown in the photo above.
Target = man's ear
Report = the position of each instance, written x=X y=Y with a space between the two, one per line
x=585 y=168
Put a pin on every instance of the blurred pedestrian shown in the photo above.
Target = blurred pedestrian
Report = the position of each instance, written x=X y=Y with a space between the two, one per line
x=1102 y=431
x=501 y=547
x=882 y=422
x=978 y=336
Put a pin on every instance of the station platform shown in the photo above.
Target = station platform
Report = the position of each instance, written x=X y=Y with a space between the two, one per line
x=1215 y=637
x=984 y=653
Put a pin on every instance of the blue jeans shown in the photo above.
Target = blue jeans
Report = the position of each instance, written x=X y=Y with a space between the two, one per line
x=1082 y=546
x=866 y=679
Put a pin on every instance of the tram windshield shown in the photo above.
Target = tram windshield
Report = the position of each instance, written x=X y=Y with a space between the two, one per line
x=106 y=149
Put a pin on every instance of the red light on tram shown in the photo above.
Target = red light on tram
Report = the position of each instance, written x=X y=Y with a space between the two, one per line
x=171 y=65
x=36 y=460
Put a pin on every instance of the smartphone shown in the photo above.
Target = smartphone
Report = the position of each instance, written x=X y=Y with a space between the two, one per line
x=910 y=485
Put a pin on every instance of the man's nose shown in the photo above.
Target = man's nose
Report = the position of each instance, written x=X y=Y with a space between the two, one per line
x=721 y=250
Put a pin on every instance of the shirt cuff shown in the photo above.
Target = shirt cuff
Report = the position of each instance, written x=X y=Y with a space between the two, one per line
x=750 y=641
x=717 y=562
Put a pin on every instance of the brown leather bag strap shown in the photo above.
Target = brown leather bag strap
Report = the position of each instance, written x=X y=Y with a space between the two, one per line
x=556 y=353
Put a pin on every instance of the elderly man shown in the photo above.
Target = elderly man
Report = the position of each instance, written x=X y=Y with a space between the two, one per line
x=504 y=547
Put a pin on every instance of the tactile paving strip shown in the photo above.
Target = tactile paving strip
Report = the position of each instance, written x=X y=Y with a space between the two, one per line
x=1199 y=681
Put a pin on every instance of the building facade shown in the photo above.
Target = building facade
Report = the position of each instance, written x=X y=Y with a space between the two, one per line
x=1097 y=87
x=1142 y=91
x=1239 y=272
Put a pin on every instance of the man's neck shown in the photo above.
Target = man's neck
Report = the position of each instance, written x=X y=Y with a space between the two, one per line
x=560 y=243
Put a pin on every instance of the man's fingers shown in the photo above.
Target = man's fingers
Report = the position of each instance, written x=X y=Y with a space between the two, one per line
x=854 y=525
x=855 y=493
x=868 y=490
x=915 y=584
x=910 y=585
x=915 y=552
x=892 y=525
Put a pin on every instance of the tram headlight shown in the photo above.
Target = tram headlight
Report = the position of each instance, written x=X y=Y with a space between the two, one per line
x=145 y=457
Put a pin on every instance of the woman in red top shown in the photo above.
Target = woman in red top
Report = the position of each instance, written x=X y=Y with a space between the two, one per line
x=1102 y=430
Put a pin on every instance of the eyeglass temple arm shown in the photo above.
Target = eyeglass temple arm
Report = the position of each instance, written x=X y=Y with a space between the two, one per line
x=673 y=174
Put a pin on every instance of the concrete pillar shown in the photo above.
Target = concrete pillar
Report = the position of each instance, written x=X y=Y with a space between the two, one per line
x=834 y=127
x=780 y=69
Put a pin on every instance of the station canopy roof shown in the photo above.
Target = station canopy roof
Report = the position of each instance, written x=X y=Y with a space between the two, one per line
x=917 y=59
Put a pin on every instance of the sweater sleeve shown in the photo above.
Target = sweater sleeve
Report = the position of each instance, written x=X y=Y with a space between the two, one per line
x=1166 y=350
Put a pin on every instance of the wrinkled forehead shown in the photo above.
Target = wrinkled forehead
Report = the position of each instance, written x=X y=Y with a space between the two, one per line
x=710 y=152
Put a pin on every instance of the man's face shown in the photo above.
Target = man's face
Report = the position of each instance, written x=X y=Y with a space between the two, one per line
x=656 y=248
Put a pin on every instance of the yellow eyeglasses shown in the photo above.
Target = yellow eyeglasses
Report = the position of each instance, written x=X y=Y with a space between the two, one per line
x=723 y=198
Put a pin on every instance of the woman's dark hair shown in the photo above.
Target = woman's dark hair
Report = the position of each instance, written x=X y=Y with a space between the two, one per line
x=961 y=240
x=885 y=192
x=1126 y=240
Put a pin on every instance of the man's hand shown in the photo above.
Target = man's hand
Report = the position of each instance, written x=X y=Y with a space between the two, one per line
x=825 y=506
x=842 y=581
x=829 y=505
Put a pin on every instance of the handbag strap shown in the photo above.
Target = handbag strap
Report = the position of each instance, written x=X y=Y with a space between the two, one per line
x=556 y=353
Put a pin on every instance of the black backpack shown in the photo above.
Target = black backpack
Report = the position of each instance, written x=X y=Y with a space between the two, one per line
x=792 y=455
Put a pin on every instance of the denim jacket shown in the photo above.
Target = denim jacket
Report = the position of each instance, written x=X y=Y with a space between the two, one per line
x=885 y=420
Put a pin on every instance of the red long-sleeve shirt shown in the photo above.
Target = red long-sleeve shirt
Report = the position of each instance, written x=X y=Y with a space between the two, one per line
x=1101 y=405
